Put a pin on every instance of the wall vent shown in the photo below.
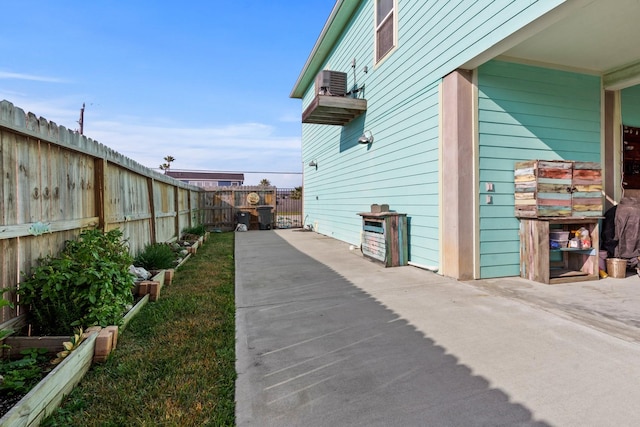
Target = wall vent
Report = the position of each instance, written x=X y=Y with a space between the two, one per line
x=333 y=83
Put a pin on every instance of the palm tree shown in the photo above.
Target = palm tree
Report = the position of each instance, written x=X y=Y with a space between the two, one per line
x=167 y=165
x=265 y=182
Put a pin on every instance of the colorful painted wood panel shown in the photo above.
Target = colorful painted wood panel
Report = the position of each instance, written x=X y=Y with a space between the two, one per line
x=373 y=241
x=586 y=189
x=543 y=188
x=557 y=189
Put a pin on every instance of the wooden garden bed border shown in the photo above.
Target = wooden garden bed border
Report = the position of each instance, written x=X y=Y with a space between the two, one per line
x=48 y=393
x=54 y=343
x=134 y=310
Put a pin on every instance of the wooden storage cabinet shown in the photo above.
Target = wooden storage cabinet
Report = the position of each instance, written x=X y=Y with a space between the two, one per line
x=574 y=265
x=384 y=238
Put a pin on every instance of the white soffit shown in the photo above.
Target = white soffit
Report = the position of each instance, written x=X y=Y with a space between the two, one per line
x=598 y=37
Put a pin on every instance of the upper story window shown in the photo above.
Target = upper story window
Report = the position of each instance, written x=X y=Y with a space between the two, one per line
x=386 y=21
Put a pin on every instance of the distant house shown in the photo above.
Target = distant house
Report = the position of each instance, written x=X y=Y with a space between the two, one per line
x=427 y=105
x=208 y=180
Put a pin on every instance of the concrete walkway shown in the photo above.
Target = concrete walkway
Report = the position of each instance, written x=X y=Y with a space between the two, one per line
x=328 y=338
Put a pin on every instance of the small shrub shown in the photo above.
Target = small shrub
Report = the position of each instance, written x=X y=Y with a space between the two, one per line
x=88 y=284
x=155 y=256
x=198 y=230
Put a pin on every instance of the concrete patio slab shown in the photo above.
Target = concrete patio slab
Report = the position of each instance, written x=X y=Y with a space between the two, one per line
x=326 y=337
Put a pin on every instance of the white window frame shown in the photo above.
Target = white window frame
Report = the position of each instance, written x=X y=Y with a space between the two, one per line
x=393 y=14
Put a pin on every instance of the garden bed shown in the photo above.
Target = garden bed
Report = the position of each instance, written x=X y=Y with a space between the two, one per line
x=42 y=399
x=181 y=372
x=48 y=394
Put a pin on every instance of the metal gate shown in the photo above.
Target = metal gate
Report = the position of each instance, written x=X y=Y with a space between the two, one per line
x=288 y=208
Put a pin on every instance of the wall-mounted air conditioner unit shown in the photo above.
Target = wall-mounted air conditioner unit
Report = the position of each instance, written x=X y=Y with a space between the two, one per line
x=332 y=83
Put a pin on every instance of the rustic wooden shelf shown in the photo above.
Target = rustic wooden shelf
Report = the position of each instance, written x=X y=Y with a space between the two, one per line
x=577 y=264
x=584 y=250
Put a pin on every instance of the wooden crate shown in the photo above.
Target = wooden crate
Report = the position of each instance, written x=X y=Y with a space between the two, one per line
x=384 y=238
x=557 y=188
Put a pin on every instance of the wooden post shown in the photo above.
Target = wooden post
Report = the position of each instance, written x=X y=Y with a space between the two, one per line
x=176 y=203
x=152 y=210
x=189 y=208
x=100 y=170
x=154 y=290
x=611 y=190
x=458 y=239
x=104 y=345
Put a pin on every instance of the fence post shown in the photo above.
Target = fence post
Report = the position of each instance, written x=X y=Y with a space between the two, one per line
x=176 y=198
x=100 y=173
x=152 y=210
x=191 y=211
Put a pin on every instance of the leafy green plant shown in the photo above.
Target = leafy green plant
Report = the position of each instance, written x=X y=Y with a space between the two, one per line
x=69 y=346
x=156 y=256
x=198 y=230
x=197 y=370
x=19 y=376
x=88 y=284
x=5 y=303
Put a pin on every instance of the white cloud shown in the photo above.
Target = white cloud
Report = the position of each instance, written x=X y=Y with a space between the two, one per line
x=30 y=77
x=239 y=147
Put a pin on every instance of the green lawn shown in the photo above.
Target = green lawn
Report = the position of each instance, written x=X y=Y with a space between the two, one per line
x=175 y=362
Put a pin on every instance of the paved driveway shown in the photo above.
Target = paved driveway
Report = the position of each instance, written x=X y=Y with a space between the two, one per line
x=327 y=338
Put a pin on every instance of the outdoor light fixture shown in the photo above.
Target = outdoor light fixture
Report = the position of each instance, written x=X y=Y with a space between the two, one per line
x=366 y=139
x=313 y=164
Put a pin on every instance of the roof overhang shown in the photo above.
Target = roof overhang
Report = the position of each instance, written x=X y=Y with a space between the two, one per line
x=333 y=28
x=589 y=36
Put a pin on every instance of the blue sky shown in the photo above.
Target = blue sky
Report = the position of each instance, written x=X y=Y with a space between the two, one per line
x=207 y=82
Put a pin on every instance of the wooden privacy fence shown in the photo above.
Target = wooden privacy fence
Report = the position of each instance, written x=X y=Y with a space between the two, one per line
x=56 y=182
x=221 y=206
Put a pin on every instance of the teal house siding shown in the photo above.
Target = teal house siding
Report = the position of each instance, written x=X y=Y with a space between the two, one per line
x=401 y=167
x=469 y=88
x=630 y=100
x=527 y=113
